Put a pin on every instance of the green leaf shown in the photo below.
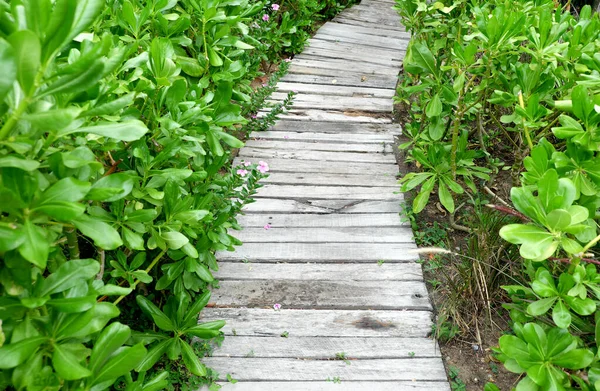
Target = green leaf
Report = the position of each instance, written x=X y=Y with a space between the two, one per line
x=28 y=51
x=109 y=340
x=112 y=187
x=558 y=220
x=61 y=211
x=53 y=120
x=120 y=364
x=191 y=360
x=421 y=57
x=434 y=107
x=536 y=243
x=35 y=247
x=230 y=140
x=574 y=359
x=153 y=355
x=91 y=321
x=104 y=235
x=123 y=131
x=174 y=240
x=67 y=189
x=540 y=307
x=68 y=275
x=73 y=304
x=561 y=315
x=67 y=365
x=16 y=353
x=202 y=332
x=9 y=68
x=16 y=162
x=160 y=319
x=445 y=197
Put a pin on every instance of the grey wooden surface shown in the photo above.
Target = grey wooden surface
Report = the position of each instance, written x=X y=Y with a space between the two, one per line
x=326 y=238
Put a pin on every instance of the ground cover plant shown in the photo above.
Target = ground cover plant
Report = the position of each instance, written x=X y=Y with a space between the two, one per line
x=117 y=125
x=510 y=91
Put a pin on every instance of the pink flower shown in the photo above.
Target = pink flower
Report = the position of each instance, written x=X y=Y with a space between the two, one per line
x=254 y=116
x=275 y=7
x=265 y=17
x=242 y=172
x=246 y=164
x=263 y=167
x=267 y=226
x=288 y=60
x=286 y=136
x=276 y=306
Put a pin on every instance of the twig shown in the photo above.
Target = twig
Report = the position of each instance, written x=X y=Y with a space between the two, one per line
x=100 y=274
x=568 y=260
x=456 y=226
x=509 y=211
x=490 y=192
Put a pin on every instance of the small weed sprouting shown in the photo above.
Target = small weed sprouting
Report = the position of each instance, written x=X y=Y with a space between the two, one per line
x=456 y=383
x=285 y=334
x=411 y=354
x=335 y=380
x=342 y=356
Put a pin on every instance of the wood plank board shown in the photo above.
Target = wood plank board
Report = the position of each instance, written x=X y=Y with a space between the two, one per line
x=327 y=192
x=332 y=90
x=333 y=127
x=330 y=386
x=325 y=348
x=320 y=271
x=340 y=19
x=314 y=155
x=276 y=206
x=321 y=323
x=328 y=70
x=331 y=63
x=331 y=116
x=312 y=53
x=373 y=20
x=299 y=178
x=325 y=235
x=306 y=166
x=323 y=101
x=320 y=146
x=252 y=369
x=343 y=79
x=338 y=295
x=340 y=29
x=325 y=221
x=323 y=252
x=383 y=42
x=344 y=47
x=347 y=138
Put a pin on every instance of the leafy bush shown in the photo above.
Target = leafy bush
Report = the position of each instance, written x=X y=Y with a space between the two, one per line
x=521 y=78
x=117 y=120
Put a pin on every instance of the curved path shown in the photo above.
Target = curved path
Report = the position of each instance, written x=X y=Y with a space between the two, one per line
x=355 y=314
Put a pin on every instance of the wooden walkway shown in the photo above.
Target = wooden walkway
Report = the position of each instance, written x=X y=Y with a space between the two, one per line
x=336 y=255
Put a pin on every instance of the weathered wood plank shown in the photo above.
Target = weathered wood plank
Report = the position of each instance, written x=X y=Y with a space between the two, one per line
x=326 y=348
x=293 y=178
x=332 y=90
x=335 y=102
x=320 y=146
x=332 y=127
x=340 y=19
x=373 y=20
x=334 y=28
x=358 y=77
x=274 y=205
x=326 y=235
x=344 y=47
x=357 y=67
x=330 y=386
x=351 y=80
x=321 y=323
x=323 y=252
x=312 y=155
x=347 y=138
x=327 y=192
x=323 y=55
x=348 y=116
x=260 y=369
x=360 y=39
x=319 y=271
x=324 y=221
x=306 y=166
x=338 y=295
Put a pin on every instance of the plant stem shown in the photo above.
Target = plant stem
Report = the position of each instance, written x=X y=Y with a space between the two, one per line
x=591 y=244
x=527 y=135
x=72 y=242
x=12 y=121
x=154 y=262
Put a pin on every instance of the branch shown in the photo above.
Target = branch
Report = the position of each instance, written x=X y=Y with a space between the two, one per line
x=509 y=211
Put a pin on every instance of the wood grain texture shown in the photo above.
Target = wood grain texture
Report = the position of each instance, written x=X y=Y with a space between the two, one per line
x=320 y=271
x=330 y=386
x=313 y=155
x=334 y=28
x=273 y=205
x=326 y=348
x=344 y=79
x=331 y=167
x=332 y=90
x=381 y=128
x=385 y=148
x=332 y=294
x=328 y=192
x=321 y=323
x=323 y=252
x=292 y=178
x=326 y=235
x=344 y=47
x=324 y=221
x=331 y=102
x=349 y=116
x=336 y=64
x=311 y=137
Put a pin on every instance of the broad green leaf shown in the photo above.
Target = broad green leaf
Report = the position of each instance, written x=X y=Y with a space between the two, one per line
x=111 y=188
x=445 y=197
x=53 y=120
x=540 y=307
x=561 y=315
x=558 y=220
x=87 y=11
x=109 y=340
x=160 y=319
x=91 y=321
x=67 y=365
x=421 y=56
x=123 y=131
x=174 y=240
x=68 y=275
x=73 y=304
x=202 y=332
x=61 y=211
x=8 y=65
x=104 y=235
x=434 y=107
x=28 y=51
x=35 y=246
x=153 y=355
x=120 y=364
x=14 y=354
x=536 y=243
x=67 y=189
x=574 y=359
x=17 y=162
x=191 y=360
